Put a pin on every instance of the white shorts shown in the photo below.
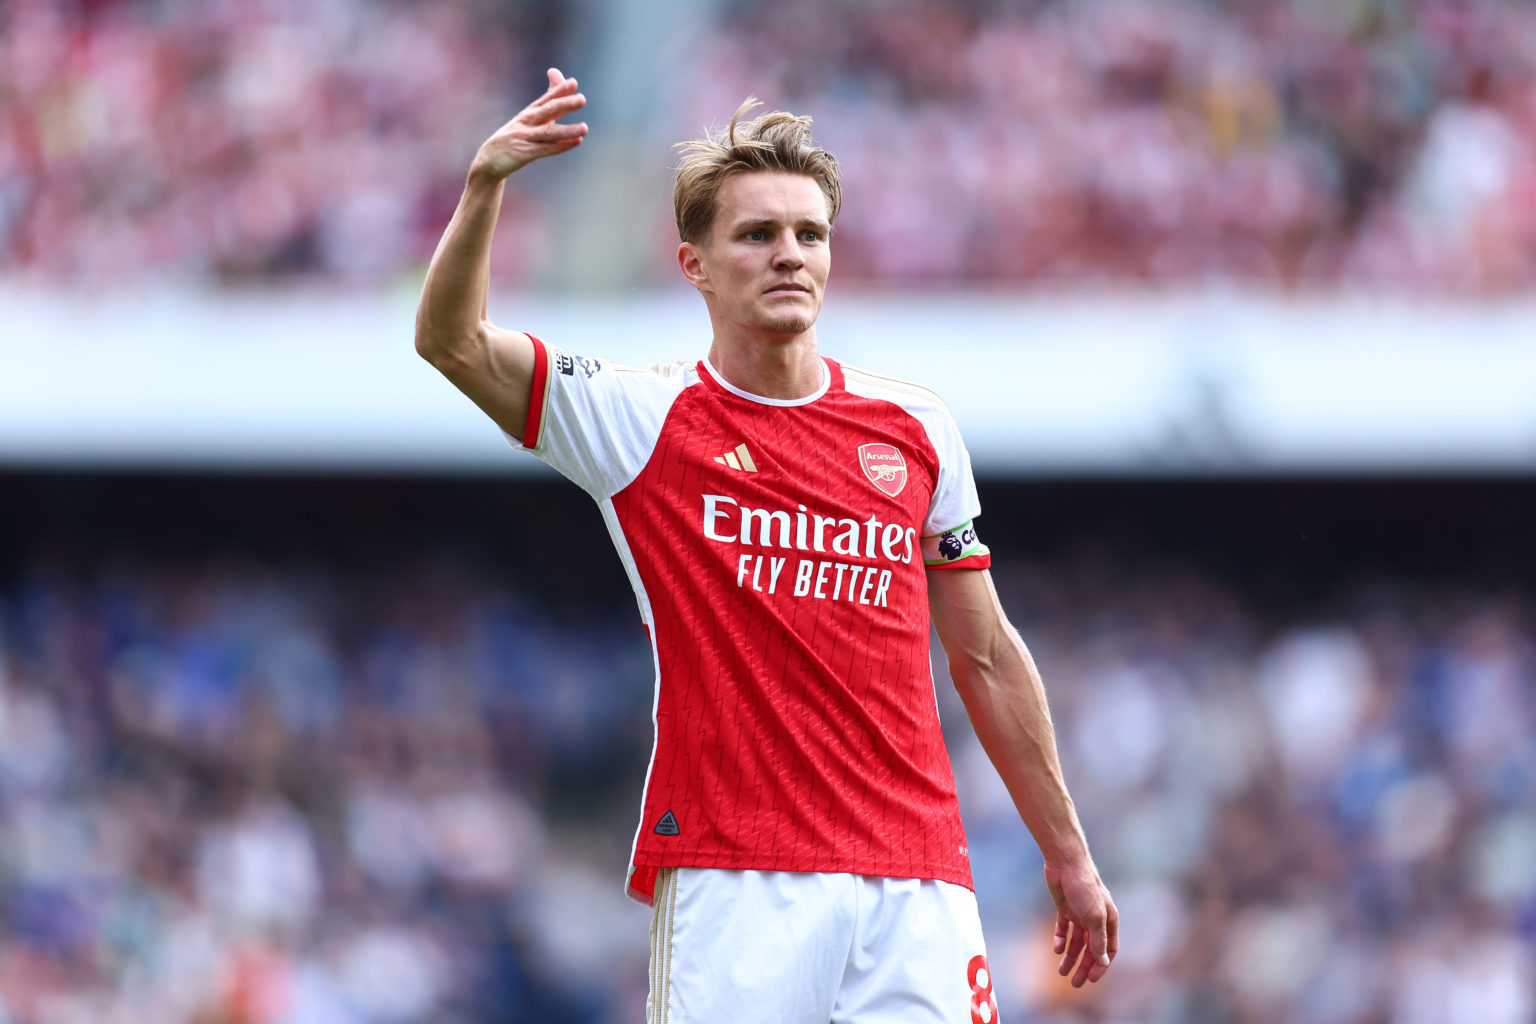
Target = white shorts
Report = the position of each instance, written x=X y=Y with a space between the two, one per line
x=782 y=947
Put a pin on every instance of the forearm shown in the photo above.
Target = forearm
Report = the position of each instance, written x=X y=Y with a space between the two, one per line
x=453 y=300
x=1005 y=698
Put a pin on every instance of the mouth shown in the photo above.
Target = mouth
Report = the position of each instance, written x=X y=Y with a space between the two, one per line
x=788 y=289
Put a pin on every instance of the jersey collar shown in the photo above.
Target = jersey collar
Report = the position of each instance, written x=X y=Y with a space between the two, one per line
x=831 y=374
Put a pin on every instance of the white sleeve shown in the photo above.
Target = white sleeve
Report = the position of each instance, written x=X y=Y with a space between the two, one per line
x=949 y=533
x=954 y=501
x=594 y=421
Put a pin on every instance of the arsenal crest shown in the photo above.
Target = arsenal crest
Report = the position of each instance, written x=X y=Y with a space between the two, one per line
x=884 y=466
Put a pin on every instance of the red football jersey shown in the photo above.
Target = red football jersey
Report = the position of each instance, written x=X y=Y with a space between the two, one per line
x=777 y=550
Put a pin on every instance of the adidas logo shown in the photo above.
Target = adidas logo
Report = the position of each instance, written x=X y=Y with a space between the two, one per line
x=738 y=459
x=667 y=826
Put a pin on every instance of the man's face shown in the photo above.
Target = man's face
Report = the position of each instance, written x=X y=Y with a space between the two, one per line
x=764 y=265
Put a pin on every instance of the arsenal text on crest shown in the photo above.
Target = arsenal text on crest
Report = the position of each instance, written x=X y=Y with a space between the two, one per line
x=885 y=467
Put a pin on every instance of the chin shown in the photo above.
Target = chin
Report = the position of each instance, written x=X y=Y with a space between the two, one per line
x=789 y=321
x=797 y=324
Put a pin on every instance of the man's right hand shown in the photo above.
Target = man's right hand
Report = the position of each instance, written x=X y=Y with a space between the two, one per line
x=535 y=132
x=494 y=367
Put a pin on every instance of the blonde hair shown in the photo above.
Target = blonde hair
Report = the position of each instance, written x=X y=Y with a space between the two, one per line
x=770 y=142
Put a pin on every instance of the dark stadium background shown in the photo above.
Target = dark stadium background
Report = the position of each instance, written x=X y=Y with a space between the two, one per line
x=319 y=706
x=1289 y=546
x=1284 y=553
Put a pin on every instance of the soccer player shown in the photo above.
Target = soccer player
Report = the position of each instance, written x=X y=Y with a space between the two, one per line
x=790 y=525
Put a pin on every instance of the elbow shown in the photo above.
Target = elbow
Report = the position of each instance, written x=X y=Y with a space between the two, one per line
x=965 y=677
x=438 y=345
x=979 y=662
x=427 y=341
x=969 y=676
x=981 y=665
x=425 y=347
x=429 y=338
x=969 y=671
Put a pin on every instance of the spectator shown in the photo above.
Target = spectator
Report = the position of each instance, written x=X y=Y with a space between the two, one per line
x=1288 y=145
x=1321 y=819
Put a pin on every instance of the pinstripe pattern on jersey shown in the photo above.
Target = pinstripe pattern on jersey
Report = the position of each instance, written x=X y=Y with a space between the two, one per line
x=795 y=729
x=793 y=733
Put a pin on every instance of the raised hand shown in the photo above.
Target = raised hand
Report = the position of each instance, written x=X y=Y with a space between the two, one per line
x=1087 y=923
x=535 y=132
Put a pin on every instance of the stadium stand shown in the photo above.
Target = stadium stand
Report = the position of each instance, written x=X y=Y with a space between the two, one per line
x=350 y=752
x=276 y=778
x=1383 y=145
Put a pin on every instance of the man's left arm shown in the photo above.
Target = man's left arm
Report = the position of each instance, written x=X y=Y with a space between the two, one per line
x=1005 y=698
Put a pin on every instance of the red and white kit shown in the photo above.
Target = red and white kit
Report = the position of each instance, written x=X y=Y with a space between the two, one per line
x=777 y=550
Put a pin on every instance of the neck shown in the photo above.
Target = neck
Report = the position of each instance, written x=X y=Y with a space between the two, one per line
x=773 y=367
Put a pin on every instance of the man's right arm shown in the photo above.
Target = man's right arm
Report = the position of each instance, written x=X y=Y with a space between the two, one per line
x=493 y=366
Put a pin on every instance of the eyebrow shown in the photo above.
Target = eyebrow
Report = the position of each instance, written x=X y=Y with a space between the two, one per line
x=769 y=222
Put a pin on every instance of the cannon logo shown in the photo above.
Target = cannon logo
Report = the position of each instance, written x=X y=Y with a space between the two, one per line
x=884 y=466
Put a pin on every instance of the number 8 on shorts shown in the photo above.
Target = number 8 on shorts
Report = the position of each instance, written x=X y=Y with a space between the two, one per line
x=983 y=1005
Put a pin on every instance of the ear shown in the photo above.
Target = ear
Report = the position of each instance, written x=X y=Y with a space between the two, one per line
x=690 y=260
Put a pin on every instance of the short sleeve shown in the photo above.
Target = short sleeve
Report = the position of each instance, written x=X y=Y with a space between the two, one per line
x=949 y=532
x=596 y=422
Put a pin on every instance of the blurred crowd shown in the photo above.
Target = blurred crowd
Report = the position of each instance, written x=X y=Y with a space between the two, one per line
x=241 y=792
x=1370 y=144
x=235 y=794
x=234 y=142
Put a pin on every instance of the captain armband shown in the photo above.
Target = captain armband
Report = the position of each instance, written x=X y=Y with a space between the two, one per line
x=959 y=548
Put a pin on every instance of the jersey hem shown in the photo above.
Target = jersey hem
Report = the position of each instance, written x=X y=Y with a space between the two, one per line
x=640 y=886
x=643 y=870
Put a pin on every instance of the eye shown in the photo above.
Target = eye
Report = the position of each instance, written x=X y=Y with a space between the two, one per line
x=756 y=235
x=810 y=236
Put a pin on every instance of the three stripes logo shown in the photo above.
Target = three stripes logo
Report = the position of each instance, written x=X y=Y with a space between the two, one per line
x=667 y=826
x=738 y=458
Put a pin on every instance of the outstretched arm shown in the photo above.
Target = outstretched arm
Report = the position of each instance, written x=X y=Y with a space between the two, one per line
x=494 y=367
x=1003 y=694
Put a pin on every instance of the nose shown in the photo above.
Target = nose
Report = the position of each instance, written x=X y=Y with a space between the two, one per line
x=786 y=252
